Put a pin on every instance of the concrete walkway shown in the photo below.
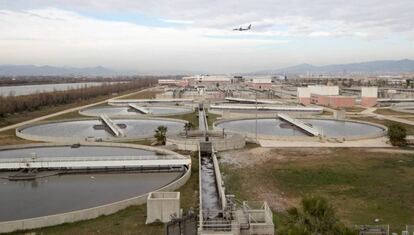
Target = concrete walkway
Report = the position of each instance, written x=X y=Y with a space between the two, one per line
x=369 y=143
x=65 y=111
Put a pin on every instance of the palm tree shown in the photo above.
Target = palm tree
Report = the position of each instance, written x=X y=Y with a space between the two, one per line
x=316 y=217
x=161 y=135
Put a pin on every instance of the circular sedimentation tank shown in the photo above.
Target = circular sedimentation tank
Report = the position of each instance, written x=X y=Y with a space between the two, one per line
x=403 y=107
x=83 y=129
x=279 y=128
x=57 y=193
x=128 y=111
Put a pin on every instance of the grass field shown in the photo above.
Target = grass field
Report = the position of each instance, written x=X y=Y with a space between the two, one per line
x=190 y=117
x=354 y=109
x=361 y=184
x=211 y=119
x=128 y=221
x=391 y=112
x=410 y=128
x=9 y=137
x=70 y=115
x=326 y=113
x=148 y=94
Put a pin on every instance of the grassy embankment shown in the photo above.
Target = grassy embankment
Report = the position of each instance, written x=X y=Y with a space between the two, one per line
x=392 y=112
x=361 y=184
x=148 y=94
x=130 y=220
x=410 y=128
x=326 y=113
x=211 y=119
x=402 y=115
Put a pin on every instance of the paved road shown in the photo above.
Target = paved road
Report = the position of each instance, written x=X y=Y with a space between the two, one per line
x=63 y=112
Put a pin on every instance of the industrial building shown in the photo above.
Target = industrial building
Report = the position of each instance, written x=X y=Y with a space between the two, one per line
x=261 y=83
x=329 y=96
x=369 y=96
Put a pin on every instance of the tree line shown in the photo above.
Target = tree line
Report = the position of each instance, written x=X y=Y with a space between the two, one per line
x=16 y=104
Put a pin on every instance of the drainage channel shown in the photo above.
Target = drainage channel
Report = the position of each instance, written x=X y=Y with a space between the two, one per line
x=210 y=200
x=211 y=205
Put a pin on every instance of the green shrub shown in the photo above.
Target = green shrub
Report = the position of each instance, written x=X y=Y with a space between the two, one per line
x=397 y=134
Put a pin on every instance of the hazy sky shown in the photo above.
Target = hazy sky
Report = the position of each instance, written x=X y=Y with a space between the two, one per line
x=176 y=35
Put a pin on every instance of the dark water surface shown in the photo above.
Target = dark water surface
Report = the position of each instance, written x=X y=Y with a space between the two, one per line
x=59 y=194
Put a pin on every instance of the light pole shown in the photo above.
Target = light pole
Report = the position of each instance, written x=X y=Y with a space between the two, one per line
x=256 y=114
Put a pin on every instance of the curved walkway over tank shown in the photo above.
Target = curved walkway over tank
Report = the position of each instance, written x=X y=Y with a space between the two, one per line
x=299 y=124
x=111 y=125
x=139 y=109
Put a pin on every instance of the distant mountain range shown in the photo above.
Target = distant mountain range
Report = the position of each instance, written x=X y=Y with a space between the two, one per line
x=32 y=70
x=380 y=66
x=370 y=67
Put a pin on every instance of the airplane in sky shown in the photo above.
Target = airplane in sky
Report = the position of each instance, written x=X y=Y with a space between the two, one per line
x=243 y=29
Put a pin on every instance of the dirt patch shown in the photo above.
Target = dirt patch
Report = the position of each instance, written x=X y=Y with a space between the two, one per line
x=277 y=200
x=250 y=158
x=260 y=156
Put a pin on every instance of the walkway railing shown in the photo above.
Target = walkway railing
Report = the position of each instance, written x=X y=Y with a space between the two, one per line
x=139 y=109
x=112 y=126
x=92 y=162
x=300 y=124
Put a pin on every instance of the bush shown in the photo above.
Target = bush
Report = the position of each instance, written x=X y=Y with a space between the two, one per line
x=397 y=134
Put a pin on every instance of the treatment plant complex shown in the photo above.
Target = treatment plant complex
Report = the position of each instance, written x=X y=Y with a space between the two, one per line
x=144 y=147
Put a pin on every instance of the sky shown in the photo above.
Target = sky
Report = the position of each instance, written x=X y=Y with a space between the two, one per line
x=197 y=37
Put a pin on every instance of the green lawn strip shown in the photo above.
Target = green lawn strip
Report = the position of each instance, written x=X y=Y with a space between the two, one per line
x=9 y=138
x=211 y=118
x=390 y=112
x=190 y=117
x=148 y=94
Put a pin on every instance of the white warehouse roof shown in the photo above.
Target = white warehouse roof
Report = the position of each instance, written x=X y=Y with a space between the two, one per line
x=262 y=80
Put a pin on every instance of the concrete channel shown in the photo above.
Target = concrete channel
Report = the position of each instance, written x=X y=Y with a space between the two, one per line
x=210 y=203
x=212 y=198
x=220 y=213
